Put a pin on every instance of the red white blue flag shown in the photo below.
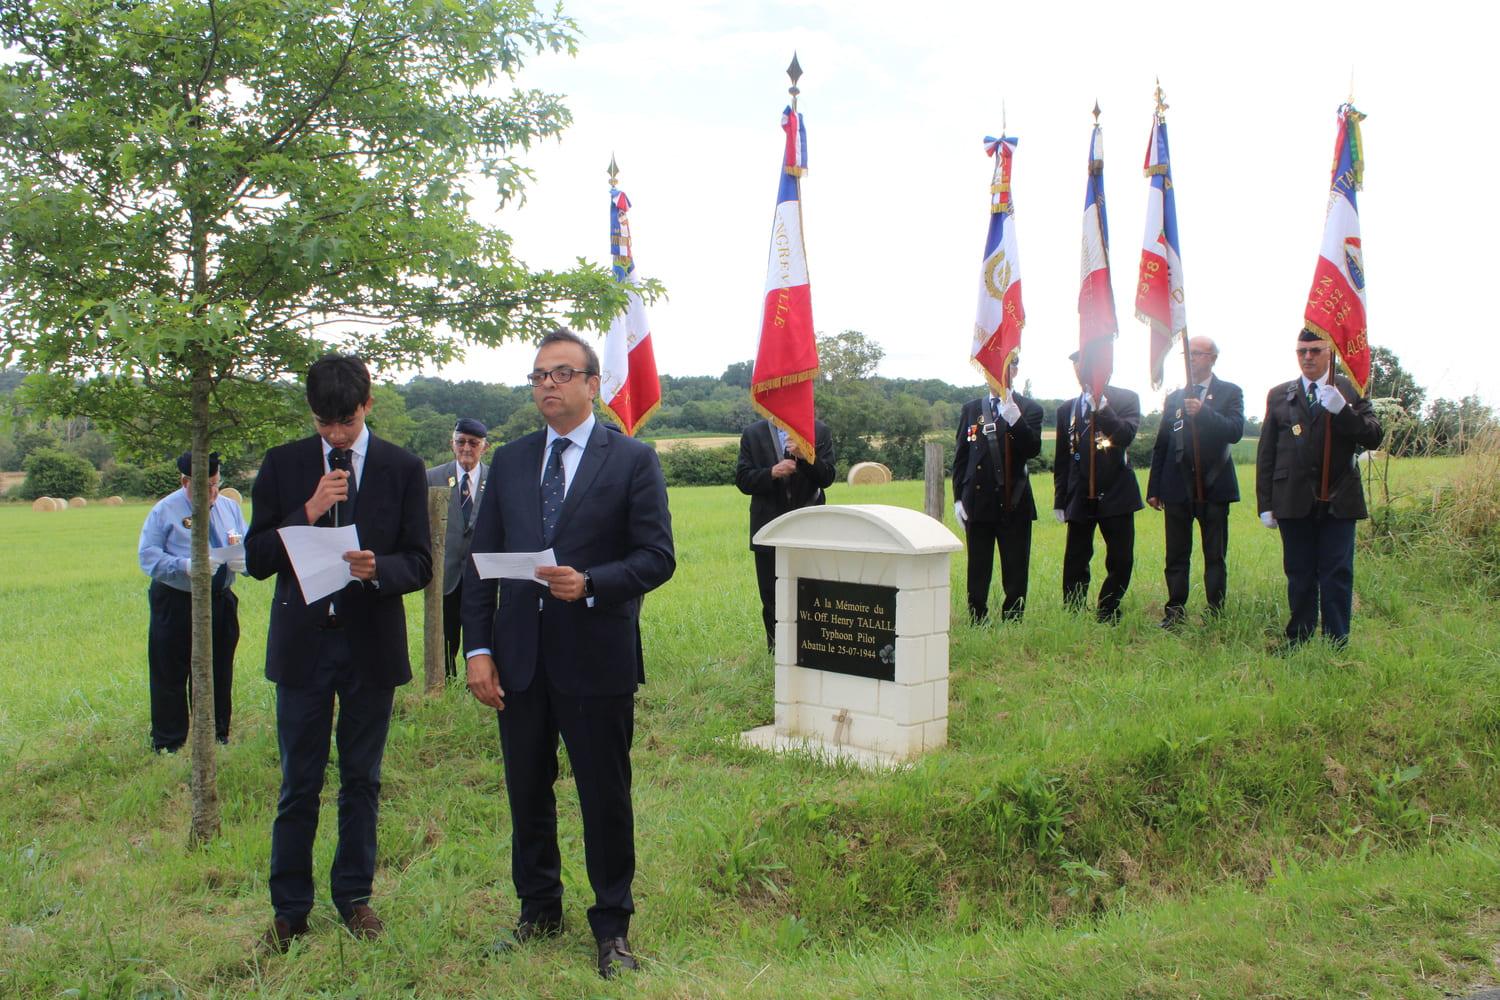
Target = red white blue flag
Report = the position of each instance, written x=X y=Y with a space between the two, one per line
x=628 y=387
x=1158 y=294
x=1336 y=304
x=786 y=360
x=1000 y=316
x=1097 y=326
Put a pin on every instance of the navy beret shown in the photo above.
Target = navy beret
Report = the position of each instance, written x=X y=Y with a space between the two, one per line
x=185 y=463
x=468 y=425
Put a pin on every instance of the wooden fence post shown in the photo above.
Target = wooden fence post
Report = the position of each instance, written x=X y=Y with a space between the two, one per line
x=434 y=651
x=933 y=476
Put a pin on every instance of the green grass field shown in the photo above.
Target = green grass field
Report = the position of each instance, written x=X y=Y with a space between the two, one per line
x=1120 y=812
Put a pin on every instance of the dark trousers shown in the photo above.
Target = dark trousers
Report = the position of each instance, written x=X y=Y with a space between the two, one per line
x=1118 y=532
x=1213 y=525
x=452 y=619
x=597 y=732
x=1317 y=554
x=169 y=651
x=765 y=578
x=1013 y=538
x=304 y=724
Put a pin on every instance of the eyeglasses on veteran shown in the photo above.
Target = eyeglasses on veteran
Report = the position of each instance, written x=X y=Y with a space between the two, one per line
x=559 y=375
x=1311 y=352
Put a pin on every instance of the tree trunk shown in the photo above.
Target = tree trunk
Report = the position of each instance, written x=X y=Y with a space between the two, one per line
x=205 y=780
x=932 y=479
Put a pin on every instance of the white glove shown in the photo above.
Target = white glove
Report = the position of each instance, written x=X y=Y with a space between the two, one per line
x=1330 y=398
x=187 y=566
x=1268 y=519
x=1103 y=401
x=237 y=566
x=1061 y=517
x=959 y=512
x=1010 y=412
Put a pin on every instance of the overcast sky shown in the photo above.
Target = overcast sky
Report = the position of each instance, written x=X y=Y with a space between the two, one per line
x=687 y=94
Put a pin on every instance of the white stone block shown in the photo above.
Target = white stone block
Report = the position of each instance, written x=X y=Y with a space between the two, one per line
x=783 y=686
x=911 y=659
x=783 y=563
x=936 y=656
x=806 y=685
x=786 y=600
x=906 y=741
x=935 y=734
x=921 y=572
x=857 y=694
x=786 y=718
x=940 y=698
x=942 y=608
x=914 y=614
x=917 y=707
x=881 y=570
x=786 y=642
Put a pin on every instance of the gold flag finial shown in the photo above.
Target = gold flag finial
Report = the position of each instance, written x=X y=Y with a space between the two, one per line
x=1096 y=111
x=1161 y=101
x=795 y=72
x=614 y=171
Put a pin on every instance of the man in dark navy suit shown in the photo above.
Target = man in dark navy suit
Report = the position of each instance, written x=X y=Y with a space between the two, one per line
x=1317 y=526
x=992 y=494
x=563 y=656
x=1105 y=427
x=1198 y=426
x=349 y=648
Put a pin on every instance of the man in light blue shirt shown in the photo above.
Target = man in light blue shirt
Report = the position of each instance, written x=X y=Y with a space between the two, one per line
x=165 y=555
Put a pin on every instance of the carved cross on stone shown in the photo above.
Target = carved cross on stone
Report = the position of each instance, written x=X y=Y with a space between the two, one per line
x=842 y=721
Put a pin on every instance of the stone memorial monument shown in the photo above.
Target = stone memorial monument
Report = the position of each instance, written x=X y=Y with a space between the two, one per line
x=861 y=633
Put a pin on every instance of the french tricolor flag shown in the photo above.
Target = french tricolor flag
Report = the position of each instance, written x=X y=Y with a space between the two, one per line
x=628 y=386
x=1336 y=304
x=1158 y=294
x=1097 y=326
x=786 y=359
x=1000 y=316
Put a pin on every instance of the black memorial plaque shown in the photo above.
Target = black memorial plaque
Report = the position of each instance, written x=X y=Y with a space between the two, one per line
x=848 y=628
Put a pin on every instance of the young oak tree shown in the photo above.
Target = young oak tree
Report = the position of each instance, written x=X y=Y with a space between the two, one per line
x=199 y=197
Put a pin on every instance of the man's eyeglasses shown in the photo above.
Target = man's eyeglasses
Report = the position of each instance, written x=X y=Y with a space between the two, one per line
x=467 y=442
x=1203 y=354
x=559 y=375
x=1311 y=352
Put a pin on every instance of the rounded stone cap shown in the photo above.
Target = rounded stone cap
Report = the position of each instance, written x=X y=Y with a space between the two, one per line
x=860 y=527
x=865 y=473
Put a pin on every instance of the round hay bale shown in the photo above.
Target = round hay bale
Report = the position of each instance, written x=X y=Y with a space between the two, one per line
x=78 y=502
x=43 y=504
x=232 y=493
x=112 y=501
x=867 y=473
x=59 y=504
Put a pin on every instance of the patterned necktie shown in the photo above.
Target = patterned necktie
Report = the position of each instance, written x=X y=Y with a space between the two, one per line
x=1199 y=390
x=553 y=485
x=466 y=501
x=1312 y=396
x=343 y=512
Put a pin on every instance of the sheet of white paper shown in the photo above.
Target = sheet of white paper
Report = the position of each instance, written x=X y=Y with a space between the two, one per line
x=228 y=553
x=512 y=565
x=317 y=557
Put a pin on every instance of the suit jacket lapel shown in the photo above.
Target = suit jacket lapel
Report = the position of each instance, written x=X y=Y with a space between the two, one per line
x=530 y=489
x=594 y=457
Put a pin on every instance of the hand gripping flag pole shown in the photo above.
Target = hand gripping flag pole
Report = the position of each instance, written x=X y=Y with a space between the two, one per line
x=1158 y=293
x=1336 y=303
x=629 y=389
x=1097 y=326
x=1000 y=316
x=786 y=359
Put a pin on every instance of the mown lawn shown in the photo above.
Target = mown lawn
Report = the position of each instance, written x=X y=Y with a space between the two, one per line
x=1120 y=812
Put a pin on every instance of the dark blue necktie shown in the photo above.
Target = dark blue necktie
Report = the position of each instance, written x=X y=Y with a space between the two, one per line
x=1312 y=397
x=466 y=500
x=553 y=485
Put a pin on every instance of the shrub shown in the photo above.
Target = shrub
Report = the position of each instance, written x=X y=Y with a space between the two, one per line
x=686 y=465
x=123 y=480
x=161 y=479
x=51 y=472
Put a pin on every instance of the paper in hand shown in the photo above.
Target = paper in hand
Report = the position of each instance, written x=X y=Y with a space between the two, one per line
x=512 y=565
x=317 y=557
x=227 y=553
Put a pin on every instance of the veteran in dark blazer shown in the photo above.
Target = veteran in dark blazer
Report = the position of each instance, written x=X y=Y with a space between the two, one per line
x=1317 y=529
x=777 y=478
x=465 y=476
x=1111 y=507
x=992 y=494
x=564 y=656
x=1182 y=463
x=349 y=648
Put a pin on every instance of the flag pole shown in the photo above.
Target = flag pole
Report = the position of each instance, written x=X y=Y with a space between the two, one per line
x=1187 y=364
x=1093 y=403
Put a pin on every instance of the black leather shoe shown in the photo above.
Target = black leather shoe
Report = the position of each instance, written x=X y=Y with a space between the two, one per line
x=1173 y=618
x=525 y=932
x=614 y=955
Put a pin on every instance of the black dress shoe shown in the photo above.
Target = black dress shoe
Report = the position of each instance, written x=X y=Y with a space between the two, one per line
x=1173 y=618
x=525 y=932
x=614 y=955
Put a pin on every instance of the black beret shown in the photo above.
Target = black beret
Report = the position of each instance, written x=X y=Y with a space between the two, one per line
x=185 y=463
x=470 y=426
x=1307 y=334
x=1073 y=357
